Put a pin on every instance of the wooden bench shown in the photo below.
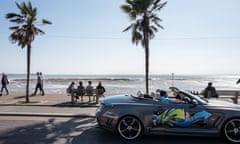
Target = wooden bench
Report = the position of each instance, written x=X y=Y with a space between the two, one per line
x=77 y=93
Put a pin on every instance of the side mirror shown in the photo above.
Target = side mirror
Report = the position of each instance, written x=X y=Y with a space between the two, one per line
x=194 y=103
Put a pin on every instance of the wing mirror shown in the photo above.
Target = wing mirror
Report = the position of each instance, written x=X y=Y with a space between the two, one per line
x=194 y=103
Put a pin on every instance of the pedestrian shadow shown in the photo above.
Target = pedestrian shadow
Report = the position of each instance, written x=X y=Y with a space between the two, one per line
x=20 y=97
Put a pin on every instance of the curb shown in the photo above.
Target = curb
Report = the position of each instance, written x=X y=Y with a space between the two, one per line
x=46 y=115
x=51 y=105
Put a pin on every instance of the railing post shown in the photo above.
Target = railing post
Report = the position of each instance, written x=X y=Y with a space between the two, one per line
x=236 y=98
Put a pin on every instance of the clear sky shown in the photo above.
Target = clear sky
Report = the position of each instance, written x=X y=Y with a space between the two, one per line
x=199 y=37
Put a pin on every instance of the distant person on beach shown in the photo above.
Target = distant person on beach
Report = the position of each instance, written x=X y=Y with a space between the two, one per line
x=100 y=90
x=81 y=90
x=5 y=82
x=210 y=91
x=39 y=84
x=89 y=90
x=238 y=81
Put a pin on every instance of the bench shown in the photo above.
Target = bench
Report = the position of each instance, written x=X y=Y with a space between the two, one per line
x=76 y=93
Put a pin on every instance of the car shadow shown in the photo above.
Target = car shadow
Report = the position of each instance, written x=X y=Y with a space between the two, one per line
x=97 y=136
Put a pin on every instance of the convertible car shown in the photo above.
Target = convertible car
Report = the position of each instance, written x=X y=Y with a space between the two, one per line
x=179 y=114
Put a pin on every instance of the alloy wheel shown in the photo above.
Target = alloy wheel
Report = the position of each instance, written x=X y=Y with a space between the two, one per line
x=129 y=127
x=232 y=130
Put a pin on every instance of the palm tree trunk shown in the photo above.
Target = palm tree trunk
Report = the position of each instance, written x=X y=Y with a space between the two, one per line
x=147 y=67
x=146 y=44
x=146 y=62
x=28 y=71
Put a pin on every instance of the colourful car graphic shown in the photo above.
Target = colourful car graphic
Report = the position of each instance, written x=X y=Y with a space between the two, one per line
x=180 y=118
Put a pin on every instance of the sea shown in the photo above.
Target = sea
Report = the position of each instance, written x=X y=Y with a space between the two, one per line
x=125 y=84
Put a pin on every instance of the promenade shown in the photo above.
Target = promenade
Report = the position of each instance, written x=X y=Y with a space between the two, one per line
x=50 y=105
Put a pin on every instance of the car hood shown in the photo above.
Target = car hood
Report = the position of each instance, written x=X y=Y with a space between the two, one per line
x=222 y=104
x=117 y=99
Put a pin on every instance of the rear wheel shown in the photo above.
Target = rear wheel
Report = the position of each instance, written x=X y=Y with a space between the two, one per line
x=231 y=130
x=129 y=127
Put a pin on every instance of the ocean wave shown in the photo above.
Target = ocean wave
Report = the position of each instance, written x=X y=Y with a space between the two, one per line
x=77 y=79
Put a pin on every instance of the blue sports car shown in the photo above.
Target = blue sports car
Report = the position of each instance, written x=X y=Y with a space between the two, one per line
x=177 y=112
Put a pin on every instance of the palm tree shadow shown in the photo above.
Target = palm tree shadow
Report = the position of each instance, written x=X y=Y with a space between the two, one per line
x=24 y=96
x=47 y=132
x=97 y=136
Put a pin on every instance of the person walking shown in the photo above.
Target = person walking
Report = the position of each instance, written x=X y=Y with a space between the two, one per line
x=5 y=82
x=39 y=84
x=42 y=79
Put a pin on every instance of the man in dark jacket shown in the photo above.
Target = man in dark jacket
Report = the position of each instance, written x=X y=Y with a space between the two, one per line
x=210 y=91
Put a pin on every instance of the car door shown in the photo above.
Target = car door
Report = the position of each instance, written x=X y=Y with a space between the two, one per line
x=186 y=117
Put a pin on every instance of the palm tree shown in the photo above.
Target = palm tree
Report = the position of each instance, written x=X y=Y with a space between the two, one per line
x=145 y=24
x=25 y=31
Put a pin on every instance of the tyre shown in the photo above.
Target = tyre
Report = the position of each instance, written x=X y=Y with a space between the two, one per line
x=129 y=127
x=231 y=130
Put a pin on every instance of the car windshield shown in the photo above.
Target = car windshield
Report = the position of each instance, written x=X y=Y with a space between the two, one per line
x=198 y=98
x=183 y=93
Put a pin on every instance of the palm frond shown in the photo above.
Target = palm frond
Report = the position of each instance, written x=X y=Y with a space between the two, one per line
x=129 y=27
x=25 y=30
x=13 y=15
x=126 y=8
x=45 y=21
x=131 y=13
x=17 y=20
x=161 y=5
x=14 y=28
x=38 y=31
x=22 y=9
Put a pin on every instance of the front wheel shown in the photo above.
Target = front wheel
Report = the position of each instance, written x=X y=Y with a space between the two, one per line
x=231 y=130
x=129 y=127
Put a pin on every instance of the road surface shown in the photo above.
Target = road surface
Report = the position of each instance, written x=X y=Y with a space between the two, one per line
x=47 y=130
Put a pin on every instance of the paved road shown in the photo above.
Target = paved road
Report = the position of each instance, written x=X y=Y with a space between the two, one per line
x=47 y=130
x=47 y=111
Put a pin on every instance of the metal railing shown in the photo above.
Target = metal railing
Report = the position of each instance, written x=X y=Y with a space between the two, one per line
x=232 y=94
